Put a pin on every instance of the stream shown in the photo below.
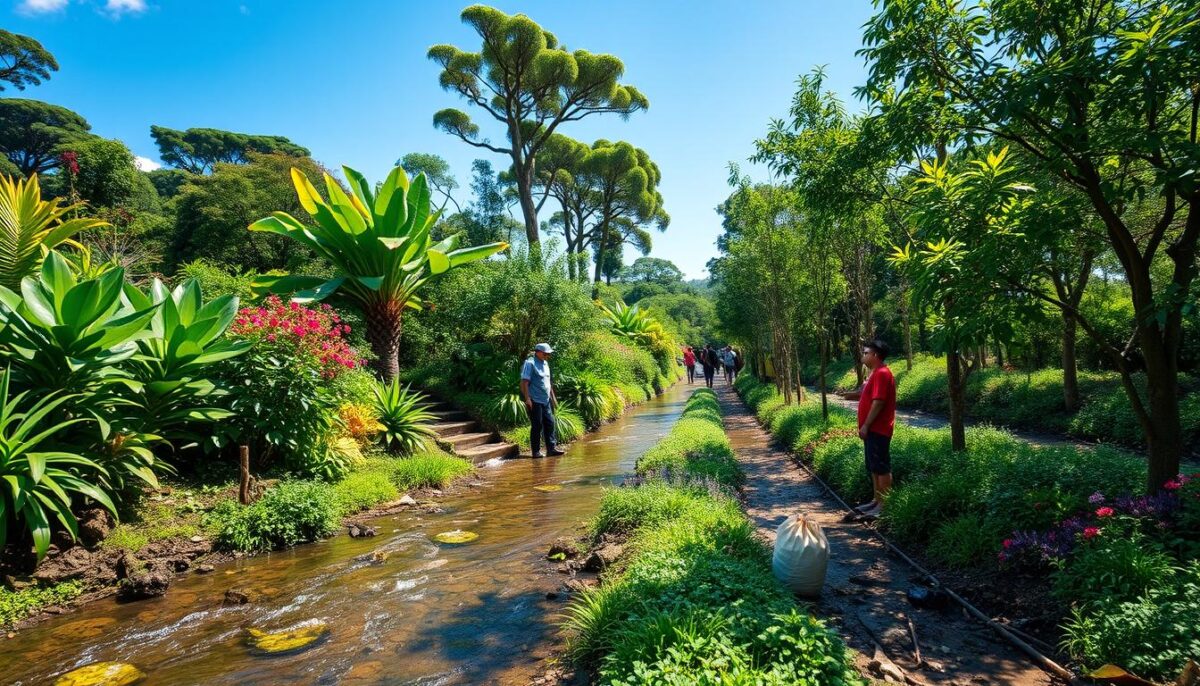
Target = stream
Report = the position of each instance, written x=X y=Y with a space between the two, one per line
x=476 y=613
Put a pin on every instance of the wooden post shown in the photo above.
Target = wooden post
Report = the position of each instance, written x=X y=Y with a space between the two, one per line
x=244 y=488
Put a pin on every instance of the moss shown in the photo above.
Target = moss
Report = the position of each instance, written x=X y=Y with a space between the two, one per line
x=17 y=605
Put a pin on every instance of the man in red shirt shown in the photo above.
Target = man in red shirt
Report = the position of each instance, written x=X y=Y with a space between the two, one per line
x=876 y=420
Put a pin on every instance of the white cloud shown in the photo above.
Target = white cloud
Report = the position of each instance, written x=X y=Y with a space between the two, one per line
x=119 y=7
x=41 y=6
x=146 y=164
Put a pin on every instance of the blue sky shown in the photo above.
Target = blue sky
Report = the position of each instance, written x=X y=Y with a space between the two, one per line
x=350 y=81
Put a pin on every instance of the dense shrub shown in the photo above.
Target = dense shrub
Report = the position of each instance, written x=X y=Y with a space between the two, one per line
x=215 y=280
x=365 y=488
x=695 y=600
x=288 y=514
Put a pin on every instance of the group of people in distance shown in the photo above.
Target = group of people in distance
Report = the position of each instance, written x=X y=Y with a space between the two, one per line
x=876 y=405
x=709 y=360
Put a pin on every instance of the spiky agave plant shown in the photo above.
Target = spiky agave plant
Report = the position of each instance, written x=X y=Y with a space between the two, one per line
x=380 y=247
x=404 y=415
x=633 y=323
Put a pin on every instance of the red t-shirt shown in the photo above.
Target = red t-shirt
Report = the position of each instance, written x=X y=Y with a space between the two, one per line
x=689 y=358
x=880 y=385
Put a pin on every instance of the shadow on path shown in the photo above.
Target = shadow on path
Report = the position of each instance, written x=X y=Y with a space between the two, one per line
x=864 y=583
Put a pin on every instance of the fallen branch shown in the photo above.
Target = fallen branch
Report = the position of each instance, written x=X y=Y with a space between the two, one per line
x=912 y=632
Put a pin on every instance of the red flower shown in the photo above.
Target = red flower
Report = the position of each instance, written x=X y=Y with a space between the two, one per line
x=1091 y=532
x=1008 y=543
x=1104 y=512
x=1173 y=485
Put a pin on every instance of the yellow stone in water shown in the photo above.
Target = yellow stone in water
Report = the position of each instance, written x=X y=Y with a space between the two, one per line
x=288 y=640
x=102 y=674
x=548 y=488
x=456 y=536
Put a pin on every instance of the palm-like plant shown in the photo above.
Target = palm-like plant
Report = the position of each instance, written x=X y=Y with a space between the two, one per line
x=29 y=226
x=379 y=245
x=404 y=415
x=633 y=323
x=36 y=485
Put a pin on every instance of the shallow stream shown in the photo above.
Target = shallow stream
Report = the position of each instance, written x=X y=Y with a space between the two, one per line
x=476 y=613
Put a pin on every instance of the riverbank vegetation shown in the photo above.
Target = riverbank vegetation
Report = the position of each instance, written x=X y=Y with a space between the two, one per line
x=1112 y=564
x=693 y=600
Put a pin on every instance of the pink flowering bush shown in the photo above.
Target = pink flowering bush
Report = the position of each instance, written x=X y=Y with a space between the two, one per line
x=284 y=389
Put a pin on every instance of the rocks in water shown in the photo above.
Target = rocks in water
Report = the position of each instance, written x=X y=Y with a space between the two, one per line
x=548 y=488
x=406 y=500
x=204 y=568
x=289 y=640
x=361 y=530
x=602 y=557
x=102 y=674
x=95 y=525
x=149 y=582
x=237 y=596
x=456 y=536
x=563 y=548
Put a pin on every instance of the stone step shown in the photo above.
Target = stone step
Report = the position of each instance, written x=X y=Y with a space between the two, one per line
x=447 y=429
x=488 y=451
x=460 y=442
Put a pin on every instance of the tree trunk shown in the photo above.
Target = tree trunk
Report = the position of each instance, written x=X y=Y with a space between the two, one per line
x=1069 y=365
x=528 y=207
x=1164 y=439
x=957 y=383
x=823 y=365
x=383 y=333
x=908 y=349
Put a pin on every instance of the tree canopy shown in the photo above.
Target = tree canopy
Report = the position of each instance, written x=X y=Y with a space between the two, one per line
x=23 y=61
x=523 y=78
x=437 y=173
x=199 y=150
x=33 y=132
x=653 y=270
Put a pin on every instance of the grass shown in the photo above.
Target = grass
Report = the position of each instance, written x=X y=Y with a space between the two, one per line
x=694 y=599
x=1031 y=400
x=17 y=605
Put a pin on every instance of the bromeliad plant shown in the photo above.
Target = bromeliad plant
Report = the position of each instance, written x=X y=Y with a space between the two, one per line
x=379 y=245
x=37 y=481
x=633 y=323
x=404 y=415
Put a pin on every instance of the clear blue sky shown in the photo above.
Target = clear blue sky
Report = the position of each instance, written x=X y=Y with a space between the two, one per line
x=350 y=81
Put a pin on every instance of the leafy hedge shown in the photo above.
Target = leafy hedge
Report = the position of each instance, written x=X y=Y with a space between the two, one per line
x=694 y=600
x=1030 y=400
x=1124 y=567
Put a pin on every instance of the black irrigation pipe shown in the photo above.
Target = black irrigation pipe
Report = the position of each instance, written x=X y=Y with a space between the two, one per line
x=1041 y=660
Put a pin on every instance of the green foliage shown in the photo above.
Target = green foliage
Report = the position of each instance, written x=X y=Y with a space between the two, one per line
x=568 y=426
x=404 y=415
x=696 y=446
x=107 y=175
x=590 y=395
x=26 y=62
x=29 y=226
x=965 y=540
x=695 y=600
x=32 y=133
x=217 y=280
x=1113 y=567
x=1152 y=636
x=288 y=514
x=632 y=323
x=199 y=151
x=17 y=605
x=430 y=469
x=365 y=488
x=152 y=522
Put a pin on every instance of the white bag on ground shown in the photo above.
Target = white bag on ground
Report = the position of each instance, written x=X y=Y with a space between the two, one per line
x=801 y=555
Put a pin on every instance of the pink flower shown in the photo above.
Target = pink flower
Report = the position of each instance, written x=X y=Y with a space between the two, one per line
x=1104 y=512
x=1008 y=543
x=1173 y=485
x=1091 y=532
x=271 y=337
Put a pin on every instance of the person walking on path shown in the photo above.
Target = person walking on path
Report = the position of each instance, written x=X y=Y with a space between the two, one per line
x=729 y=359
x=689 y=362
x=540 y=400
x=876 y=421
x=708 y=359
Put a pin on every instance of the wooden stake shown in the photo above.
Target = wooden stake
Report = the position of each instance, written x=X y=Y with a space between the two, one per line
x=912 y=631
x=244 y=487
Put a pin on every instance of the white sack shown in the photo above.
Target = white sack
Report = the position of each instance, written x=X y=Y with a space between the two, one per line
x=801 y=555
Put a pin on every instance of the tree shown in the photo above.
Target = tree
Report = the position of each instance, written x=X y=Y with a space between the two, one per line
x=487 y=214
x=102 y=173
x=23 y=61
x=1092 y=96
x=524 y=79
x=437 y=170
x=213 y=211
x=199 y=150
x=653 y=270
x=32 y=133
x=379 y=246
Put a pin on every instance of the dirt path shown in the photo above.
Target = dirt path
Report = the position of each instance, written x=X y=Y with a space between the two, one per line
x=864 y=583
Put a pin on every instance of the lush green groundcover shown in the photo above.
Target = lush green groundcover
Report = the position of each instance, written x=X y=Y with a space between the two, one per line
x=1122 y=566
x=1029 y=399
x=694 y=600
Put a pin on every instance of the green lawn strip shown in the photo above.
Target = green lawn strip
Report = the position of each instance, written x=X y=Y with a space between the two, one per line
x=694 y=600
x=961 y=507
x=1031 y=400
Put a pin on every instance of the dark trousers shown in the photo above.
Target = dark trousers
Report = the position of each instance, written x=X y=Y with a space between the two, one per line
x=541 y=424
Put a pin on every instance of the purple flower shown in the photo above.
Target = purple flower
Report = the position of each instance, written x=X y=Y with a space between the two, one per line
x=1096 y=498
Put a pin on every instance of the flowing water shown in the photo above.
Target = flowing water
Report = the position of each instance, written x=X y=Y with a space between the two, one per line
x=430 y=614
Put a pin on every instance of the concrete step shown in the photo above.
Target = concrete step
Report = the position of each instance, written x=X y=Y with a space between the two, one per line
x=460 y=442
x=488 y=451
x=448 y=429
